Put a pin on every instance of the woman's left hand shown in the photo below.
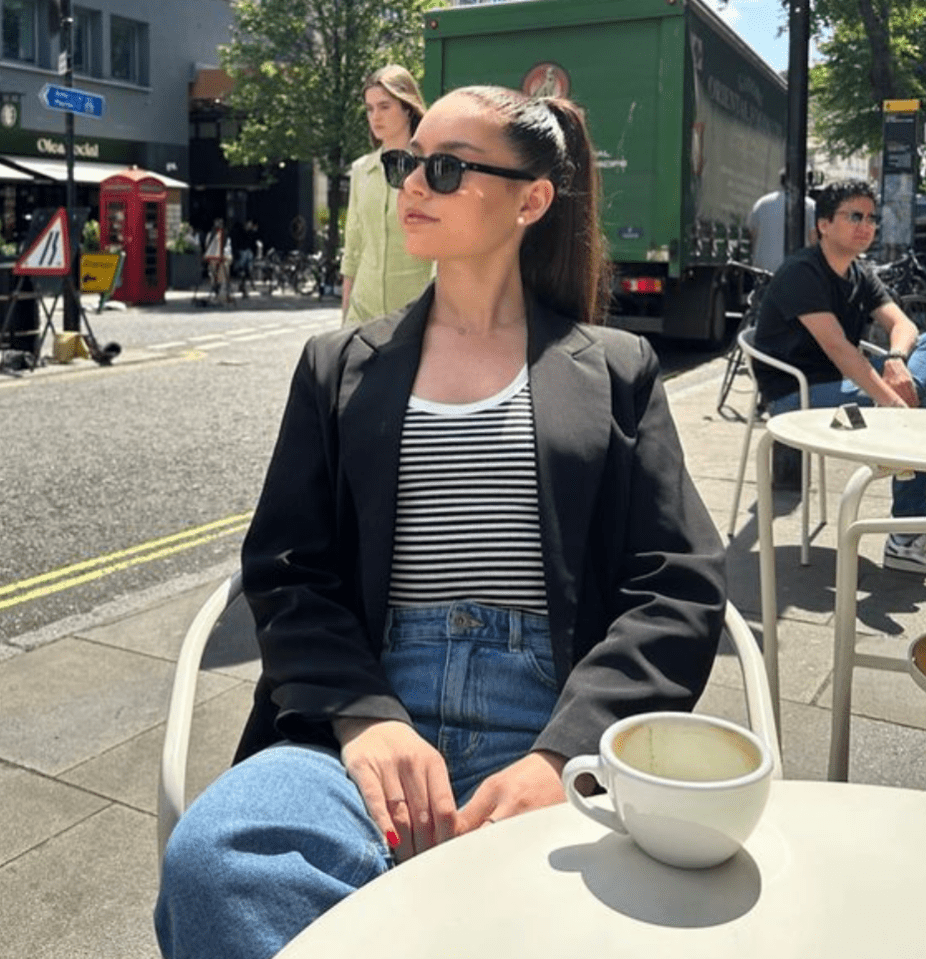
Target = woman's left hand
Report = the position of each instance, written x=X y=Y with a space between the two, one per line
x=529 y=783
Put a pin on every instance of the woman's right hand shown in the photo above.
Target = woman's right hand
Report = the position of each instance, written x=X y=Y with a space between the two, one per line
x=403 y=781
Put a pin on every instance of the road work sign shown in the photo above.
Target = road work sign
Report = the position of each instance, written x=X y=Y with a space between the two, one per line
x=50 y=253
x=98 y=272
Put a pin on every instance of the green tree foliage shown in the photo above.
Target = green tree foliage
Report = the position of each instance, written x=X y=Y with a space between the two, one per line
x=299 y=67
x=873 y=50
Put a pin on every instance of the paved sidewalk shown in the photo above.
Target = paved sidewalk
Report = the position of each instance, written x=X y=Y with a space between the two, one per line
x=81 y=718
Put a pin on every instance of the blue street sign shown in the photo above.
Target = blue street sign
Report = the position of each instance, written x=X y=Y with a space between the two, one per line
x=72 y=100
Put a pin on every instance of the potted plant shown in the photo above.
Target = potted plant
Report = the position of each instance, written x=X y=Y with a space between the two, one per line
x=184 y=259
x=90 y=237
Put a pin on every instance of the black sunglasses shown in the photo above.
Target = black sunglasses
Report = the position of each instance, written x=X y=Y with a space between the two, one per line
x=443 y=171
x=855 y=217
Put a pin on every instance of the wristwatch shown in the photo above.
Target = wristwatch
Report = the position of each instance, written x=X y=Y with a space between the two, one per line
x=896 y=355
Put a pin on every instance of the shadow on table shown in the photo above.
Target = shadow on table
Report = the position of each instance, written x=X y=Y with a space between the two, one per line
x=623 y=877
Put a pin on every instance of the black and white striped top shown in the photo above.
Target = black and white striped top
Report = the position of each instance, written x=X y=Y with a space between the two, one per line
x=467 y=521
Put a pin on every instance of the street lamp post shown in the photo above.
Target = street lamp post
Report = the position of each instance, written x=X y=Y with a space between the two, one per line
x=796 y=166
x=71 y=309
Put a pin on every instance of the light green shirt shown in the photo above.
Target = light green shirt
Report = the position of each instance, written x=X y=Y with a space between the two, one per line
x=385 y=276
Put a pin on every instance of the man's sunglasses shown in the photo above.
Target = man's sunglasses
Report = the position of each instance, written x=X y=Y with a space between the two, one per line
x=855 y=217
x=443 y=171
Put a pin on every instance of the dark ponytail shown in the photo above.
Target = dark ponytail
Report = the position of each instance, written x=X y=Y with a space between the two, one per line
x=563 y=262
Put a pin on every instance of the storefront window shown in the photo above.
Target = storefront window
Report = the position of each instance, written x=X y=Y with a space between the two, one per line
x=19 y=29
x=128 y=50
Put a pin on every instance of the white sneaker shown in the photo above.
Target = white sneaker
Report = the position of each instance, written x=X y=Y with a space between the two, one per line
x=907 y=557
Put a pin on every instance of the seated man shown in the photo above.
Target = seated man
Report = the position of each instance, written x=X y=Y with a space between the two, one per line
x=813 y=316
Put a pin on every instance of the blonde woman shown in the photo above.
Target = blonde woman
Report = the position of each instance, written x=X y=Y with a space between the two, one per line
x=379 y=276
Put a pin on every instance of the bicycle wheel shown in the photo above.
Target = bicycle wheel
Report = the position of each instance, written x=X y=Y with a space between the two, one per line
x=303 y=279
x=734 y=363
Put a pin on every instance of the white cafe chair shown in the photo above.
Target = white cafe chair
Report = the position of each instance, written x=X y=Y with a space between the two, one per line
x=172 y=780
x=752 y=353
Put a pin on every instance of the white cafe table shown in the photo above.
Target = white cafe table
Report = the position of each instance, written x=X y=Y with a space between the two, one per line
x=833 y=870
x=893 y=441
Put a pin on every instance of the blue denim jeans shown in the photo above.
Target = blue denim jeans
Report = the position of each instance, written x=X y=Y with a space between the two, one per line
x=282 y=837
x=909 y=495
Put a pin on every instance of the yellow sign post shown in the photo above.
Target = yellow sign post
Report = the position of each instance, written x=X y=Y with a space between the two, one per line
x=98 y=272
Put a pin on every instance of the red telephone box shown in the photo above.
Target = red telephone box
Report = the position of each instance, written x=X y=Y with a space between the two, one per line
x=133 y=211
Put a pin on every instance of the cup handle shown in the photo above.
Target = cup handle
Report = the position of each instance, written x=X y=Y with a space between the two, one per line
x=589 y=764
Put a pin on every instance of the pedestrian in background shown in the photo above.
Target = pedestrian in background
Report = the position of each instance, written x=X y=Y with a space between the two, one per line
x=766 y=223
x=477 y=547
x=218 y=257
x=379 y=276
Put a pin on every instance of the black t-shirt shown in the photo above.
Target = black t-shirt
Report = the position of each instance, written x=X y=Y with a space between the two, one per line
x=806 y=283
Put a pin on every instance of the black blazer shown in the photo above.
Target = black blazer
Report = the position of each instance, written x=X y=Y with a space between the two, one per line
x=632 y=561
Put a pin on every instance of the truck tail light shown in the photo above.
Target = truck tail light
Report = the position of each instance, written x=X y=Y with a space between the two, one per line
x=642 y=284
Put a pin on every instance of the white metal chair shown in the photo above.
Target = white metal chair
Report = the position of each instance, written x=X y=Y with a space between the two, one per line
x=172 y=781
x=752 y=353
x=747 y=344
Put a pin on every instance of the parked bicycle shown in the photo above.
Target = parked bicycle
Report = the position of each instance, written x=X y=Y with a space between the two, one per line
x=734 y=354
x=905 y=279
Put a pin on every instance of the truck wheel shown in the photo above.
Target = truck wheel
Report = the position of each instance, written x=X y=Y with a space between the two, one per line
x=717 y=321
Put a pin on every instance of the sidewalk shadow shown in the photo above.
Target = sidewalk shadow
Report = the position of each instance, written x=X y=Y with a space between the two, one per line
x=883 y=594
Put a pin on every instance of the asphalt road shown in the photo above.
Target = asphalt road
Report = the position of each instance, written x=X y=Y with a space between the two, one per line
x=122 y=480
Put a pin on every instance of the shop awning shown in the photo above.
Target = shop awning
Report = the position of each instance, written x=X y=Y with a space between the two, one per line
x=83 y=172
x=9 y=173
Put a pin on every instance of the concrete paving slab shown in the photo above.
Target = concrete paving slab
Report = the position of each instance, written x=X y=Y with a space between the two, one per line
x=157 y=631
x=805 y=659
x=71 y=700
x=85 y=894
x=128 y=773
x=880 y=694
x=36 y=808
x=880 y=753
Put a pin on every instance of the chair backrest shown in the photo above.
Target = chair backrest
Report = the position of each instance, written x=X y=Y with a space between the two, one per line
x=747 y=342
x=172 y=780
x=755 y=683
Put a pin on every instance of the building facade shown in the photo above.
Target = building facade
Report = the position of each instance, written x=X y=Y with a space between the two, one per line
x=147 y=59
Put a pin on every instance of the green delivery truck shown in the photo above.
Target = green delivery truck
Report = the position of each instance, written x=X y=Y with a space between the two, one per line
x=689 y=125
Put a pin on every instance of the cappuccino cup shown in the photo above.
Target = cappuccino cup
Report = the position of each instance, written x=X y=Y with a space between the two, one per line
x=687 y=788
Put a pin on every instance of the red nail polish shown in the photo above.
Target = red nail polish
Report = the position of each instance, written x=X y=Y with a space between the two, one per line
x=392 y=838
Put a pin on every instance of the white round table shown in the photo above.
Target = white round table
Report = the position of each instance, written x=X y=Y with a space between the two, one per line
x=832 y=870
x=893 y=441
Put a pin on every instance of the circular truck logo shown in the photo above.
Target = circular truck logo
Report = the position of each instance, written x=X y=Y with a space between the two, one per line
x=546 y=80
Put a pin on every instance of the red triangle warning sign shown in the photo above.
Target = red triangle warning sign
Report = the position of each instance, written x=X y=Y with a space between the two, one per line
x=50 y=254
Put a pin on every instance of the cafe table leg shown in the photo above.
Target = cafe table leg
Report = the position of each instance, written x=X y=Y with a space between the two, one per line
x=767 y=582
x=844 y=622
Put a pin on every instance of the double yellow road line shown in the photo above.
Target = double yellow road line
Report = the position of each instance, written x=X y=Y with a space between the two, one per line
x=67 y=577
